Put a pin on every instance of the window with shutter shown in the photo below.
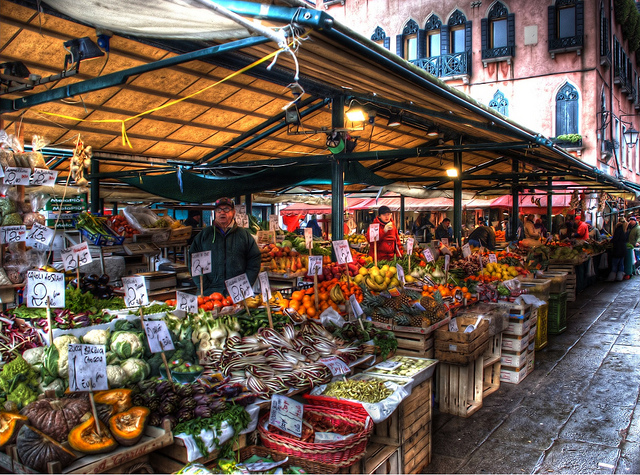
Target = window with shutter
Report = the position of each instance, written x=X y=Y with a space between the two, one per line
x=566 y=26
x=605 y=49
x=409 y=40
x=379 y=36
x=432 y=28
x=567 y=110
x=498 y=34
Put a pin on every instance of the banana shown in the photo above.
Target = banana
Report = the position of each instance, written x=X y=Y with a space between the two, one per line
x=336 y=294
x=373 y=285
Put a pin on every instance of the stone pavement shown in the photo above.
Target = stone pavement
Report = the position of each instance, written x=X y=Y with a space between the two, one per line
x=577 y=412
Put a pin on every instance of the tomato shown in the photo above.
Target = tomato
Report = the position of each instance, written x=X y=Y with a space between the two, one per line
x=228 y=302
x=200 y=300
x=216 y=303
x=217 y=296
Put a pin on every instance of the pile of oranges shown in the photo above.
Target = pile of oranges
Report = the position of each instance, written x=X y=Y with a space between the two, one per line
x=445 y=291
x=304 y=302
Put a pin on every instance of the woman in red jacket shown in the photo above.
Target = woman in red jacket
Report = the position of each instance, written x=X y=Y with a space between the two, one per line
x=389 y=244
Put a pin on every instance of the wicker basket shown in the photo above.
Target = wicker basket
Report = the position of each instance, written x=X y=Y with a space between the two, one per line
x=335 y=403
x=341 y=453
x=308 y=465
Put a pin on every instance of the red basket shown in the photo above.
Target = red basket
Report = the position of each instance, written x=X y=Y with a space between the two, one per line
x=341 y=453
x=335 y=403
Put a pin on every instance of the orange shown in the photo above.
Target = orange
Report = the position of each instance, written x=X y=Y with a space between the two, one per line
x=284 y=303
x=307 y=298
x=464 y=290
x=295 y=304
x=302 y=310
x=311 y=311
x=297 y=295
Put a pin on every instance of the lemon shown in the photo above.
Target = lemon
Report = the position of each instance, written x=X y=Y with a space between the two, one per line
x=409 y=279
x=363 y=271
x=358 y=279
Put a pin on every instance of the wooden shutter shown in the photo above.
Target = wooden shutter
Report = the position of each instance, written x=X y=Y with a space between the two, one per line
x=387 y=42
x=551 y=11
x=484 y=31
x=579 y=18
x=400 y=45
x=511 y=29
x=467 y=36
x=422 y=44
x=444 y=39
x=561 y=118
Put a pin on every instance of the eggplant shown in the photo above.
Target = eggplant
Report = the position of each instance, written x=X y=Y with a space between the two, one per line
x=92 y=278
x=104 y=279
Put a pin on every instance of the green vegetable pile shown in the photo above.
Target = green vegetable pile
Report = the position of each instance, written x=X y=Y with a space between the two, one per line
x=19 y=382
x=365 y=391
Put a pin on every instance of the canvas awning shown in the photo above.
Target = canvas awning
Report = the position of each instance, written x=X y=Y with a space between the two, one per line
x=534 y=203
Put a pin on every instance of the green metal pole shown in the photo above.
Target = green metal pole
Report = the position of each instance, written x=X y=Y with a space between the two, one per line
x=337 y=176
x=515 y=211
x=401 y=227
x=248 y=204
x=549 y=204
x=95 y=188
x=457 y=198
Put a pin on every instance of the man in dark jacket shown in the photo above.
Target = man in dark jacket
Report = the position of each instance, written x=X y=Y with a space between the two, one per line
x=234 y=251
x=483 y=236
x=444 y=229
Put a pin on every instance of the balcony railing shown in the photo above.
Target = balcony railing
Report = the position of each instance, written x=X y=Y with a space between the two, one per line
x=571 y=43
x=446 y=65
x=502 y=52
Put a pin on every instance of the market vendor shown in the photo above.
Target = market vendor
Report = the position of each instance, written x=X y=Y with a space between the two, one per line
x=582 y=230
x=234 y=251
x=483 y=236
x=389 y=245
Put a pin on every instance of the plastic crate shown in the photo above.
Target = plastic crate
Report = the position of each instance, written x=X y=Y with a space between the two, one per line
x=557 y=320
x=102 y=239
x=542 y=325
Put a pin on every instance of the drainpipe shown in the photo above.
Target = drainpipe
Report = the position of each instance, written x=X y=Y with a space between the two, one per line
x=515 y=210
x=401 y=227
x=549 y=204
x=95 y=188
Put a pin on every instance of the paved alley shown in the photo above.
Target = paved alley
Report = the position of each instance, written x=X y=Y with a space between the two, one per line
x=576 y=413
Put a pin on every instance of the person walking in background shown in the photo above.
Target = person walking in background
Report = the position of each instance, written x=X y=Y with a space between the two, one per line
x=314 y=226
x=422 y=228
x=483 y=236
x=444 y=229
x=388 y=245
x=618 y=251
x=582 y=230
x=530 y=231
x=633 y=238
x=540 y=227
x=594 y=234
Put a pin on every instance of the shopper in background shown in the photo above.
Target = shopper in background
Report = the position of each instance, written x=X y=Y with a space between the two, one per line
x=514 y=234
x=314 y=226
x=594 y=234
x=483 y=236
x=582 y=230
x=444 y=229
x=422 y=227
x=618 y=251
x=193 y=219
x=633 y=238
x=540 y=227
x=388 y=245
x=530 y=231
x=234 y=250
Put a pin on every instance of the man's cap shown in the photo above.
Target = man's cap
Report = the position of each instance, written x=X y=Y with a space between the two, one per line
x=631 y=217
x=446 y=219
x=224 y=202
x=384 y=210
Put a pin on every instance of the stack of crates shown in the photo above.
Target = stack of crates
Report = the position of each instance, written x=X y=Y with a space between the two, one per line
x=516 y=342
x=541 y=288
x=557 y=313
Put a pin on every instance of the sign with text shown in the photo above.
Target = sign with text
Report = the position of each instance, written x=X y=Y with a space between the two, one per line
x=135 y=291
x=286 y=414
x=400 y=273
x=493 y=259
x=16 y=176
x=242 y=220
x=445 y=241
x=428 y=255
x=335 y=365
x=87 y=368
x=447 y=259
x=466 y=250
x=374 y=232
x=410 y=242
x=355 y=305
x=343 y=253
x=315 y=265
x=200 y=263
x=265 y=287
x=186 y=302
x=273 y=222
x=14 y=234
x=43 y=286
x=43 y=177
x=308 y=238
x=158 y=336
x=40 y=236
x=239 y=288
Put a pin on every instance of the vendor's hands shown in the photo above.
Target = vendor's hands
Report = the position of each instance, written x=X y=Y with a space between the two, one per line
x=388 y=227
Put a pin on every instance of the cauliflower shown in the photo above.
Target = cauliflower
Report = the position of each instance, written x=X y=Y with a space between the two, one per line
x=116 y=376
x=127 y=344
x=136 y=369
x=56 y=385
x=34 y=355
x=96 y=337
x=62 y=345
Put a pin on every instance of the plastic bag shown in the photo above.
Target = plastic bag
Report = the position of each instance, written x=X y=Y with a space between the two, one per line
x=145 y=220
x=39 y=200
x=29 y=219
x=12 y=219
x=7 y=206
x=330 y=315
x=16 y=263
x=10 y=141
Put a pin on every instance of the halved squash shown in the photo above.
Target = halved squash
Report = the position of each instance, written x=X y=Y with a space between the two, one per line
x=10 y=424
x=128 y=427
x=120 y=399
x=84 y=437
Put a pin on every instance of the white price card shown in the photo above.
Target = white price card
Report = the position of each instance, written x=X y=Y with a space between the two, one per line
x=286 y=414
x=200 y=263
x=374 y=232
x=69 y=260
x=466 y=250
x=343 y=253
x=447 y=259
x=40 y=236
x=43 y=286
x=158 y=336
x=43 y=177
x=265 y=286
x=186 y=302
x=453 y=325
x=428 y=255
x=82 y=252
x=410 y=242
x=400 y=273
x=493 y=258
x=315 y=265
x=308 y=238
x=17 y=176
x=241 y=209
x=1 y=172
x=242 y=220
x=13 y=234
x=135 y=291
x=239 y=288
x=355 y=305
x=273 y=222
x=335 y=365
x=87 y=368
x=444 y=241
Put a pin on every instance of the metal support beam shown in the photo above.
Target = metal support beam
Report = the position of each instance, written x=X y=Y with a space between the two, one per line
x=401 y=227
x=95 y=187
x=515 y=210
x=457 y=198
x=549 y=204
x=248 y=203
x=337 y=176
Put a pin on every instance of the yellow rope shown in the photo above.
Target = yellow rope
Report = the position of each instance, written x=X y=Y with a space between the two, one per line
x=125 y=138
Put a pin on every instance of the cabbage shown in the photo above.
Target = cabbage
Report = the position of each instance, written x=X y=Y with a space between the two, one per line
x=136 y=369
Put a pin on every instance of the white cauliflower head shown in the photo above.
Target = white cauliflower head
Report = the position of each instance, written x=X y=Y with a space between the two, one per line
x=96 y=337
x=127 y=344
x=136 y=369
x=116 y=376
x=62 y=345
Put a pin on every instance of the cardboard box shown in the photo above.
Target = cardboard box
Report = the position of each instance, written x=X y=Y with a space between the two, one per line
x=514 y=359
x=515 y=343
x=518 y=326
x=531 y=361
x=512 y=376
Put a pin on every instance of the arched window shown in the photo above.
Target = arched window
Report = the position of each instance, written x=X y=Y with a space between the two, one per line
x=432 y=29
x=407 y=42
x=566 y=26
x=458 y=33
x=380 y=37
x=500 y=103
x=498 y=33
x=567 y=110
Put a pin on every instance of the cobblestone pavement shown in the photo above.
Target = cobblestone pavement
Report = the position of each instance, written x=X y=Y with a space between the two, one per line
x=577 y=412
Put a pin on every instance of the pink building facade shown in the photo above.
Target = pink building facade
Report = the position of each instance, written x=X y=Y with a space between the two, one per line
x=562 y=68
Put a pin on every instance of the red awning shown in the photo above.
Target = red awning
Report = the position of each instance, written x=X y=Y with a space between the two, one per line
x=534 y=203
x=304 y=209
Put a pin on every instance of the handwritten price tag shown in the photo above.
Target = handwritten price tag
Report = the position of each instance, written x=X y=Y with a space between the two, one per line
x=493 y=258
x=242 y=220
x=343 y=253
x=308 y=238
x=335 y=365
x=400 y=273
x=158 y=336
x=17 y=176
x=374 y=232
x=13 y=234
x=286 y=414
x=265 y=286
x=43 y=286
x=43 y=177
x=444 y=241
x=87 y=368
x=355 y=306
x=76 y=255
x=447 y=259
x=200 y=263
x=466 y=251
x=135 y=291
x=315 y=265
x=239 y=288
x=40 y=236
x=186 y=302
x=410 y=242
x=428 y=255
x=273 y=222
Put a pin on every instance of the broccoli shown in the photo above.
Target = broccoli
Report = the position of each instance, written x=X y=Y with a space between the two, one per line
x=15 y=367
x=22 y=395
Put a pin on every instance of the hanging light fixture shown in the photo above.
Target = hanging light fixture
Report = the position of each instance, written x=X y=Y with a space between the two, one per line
x=356 y=115
x=433 y=131
x=452 y=172
x=395 y=119
x=631 y=136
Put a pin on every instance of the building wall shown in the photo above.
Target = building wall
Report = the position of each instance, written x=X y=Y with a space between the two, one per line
x=532 y=79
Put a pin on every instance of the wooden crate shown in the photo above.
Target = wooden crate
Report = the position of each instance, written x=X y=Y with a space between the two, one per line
x=414 y=344
x=178 y=451
x=379 y=458
x=416 y=451
x=571 y=282
x=491 y=378
x=460 y=388
x=494 y=351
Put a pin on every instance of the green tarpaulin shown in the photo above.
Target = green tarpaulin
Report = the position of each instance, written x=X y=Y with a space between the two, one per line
x=195 y=188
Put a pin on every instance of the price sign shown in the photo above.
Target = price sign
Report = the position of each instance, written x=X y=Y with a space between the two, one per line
x=87 y=368
x=186 y=302
x=466 y=251
x=355 y=305
x=242 y=220
x=453 y=325
x=239 y=288
x=400 y=273
x=40 y=236
x=493 y=258
x=158 y=336
x=135 y=291
x=335 y=365
x=410 y=242
x=374 y=232
x=286 y=414
x=343 y=253
x=428 y=255
x=445 y=241
x=308 y=238
x=315 y=265
x=13 y=234
x=43 y=177
x=241 y=209
x=200 y=263
x=43 y=286
x=265 y=286
x=17 y=176
x=447 y=259
x=481 y=263
x=273 y=222
x=1 y=172
x=83 y=255
x=69 y=260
